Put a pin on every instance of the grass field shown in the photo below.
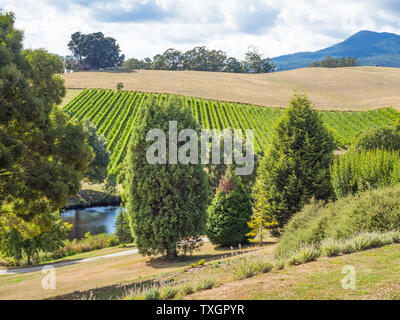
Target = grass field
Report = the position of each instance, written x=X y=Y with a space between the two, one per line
x=115 y=113
x=100 y=274
x=376 y=277
x=356 y=88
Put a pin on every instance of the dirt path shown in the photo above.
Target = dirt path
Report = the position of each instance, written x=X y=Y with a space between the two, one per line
x=66 y=263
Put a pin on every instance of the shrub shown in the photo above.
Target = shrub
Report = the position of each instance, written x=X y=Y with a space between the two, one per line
x=296 y=168
x=168 y=293
x=205 y=284
x=251 y=265
x=280 y=263
x=229 y=212
x=304 y=254
x=348 y=247
x=370 y=211
x=331 y=248
x=152 y=294
x=386 y=138
x=356 y=171
x=187 y=289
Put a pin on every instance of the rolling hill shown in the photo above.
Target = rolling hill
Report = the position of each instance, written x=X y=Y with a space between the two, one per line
x=356 y=88
x=370 y=48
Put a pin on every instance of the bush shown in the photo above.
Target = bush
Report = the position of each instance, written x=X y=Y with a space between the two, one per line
x=89 y=243
x=168 y=293
x=371 y=211
x=331 y=248
x=251 y=265
x=229 y=212
x=152 y=294
x=386 y=138
x=356 y=171
x=187 y=289
x=205 y=284
x=304 y=255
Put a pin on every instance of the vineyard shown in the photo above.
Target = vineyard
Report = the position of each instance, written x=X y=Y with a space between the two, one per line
x=114 y=113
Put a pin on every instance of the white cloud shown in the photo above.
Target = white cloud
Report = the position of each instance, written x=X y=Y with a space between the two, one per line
x=147 y=27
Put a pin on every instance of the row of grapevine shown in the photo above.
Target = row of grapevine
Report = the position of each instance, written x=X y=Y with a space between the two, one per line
x=115 y=114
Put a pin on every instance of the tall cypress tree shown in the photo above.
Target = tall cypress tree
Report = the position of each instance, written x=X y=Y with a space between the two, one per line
x=296 y=167
x=166 y=202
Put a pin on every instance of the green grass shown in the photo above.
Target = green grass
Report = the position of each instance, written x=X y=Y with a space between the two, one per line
x=115 y=115
x=376 y=278
x=368 y=212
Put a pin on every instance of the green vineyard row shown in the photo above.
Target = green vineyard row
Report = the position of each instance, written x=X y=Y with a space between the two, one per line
x=114 y=113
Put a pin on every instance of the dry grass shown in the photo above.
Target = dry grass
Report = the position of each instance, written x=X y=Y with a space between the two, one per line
x=102 y=273
x=356 y=88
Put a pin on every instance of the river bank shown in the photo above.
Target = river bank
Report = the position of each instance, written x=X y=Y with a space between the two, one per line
x=92 y=196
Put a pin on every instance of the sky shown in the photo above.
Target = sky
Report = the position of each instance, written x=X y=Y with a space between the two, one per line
x=144 y=28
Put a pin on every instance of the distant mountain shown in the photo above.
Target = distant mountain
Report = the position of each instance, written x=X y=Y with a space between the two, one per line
x=370 y=48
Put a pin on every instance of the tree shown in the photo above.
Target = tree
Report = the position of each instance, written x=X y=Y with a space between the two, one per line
x=217 y=171
x=201 y=59
x=262 y=220
x=94 y=51
x=135 y=64
x=70 y=63
x=233 y=65
x=122 y=228
x=296 y=167
x=166 y=202
x=329 y=62
x=169 y=60
x=42 y=156
x=256 y=64
x=387 y=138
x=97 y=171
x=229 y=212
x=14 y=244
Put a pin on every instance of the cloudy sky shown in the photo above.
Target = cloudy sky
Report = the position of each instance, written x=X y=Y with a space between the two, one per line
x=147 y=27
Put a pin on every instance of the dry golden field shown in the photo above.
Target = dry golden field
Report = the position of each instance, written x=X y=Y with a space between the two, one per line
x=355 y=88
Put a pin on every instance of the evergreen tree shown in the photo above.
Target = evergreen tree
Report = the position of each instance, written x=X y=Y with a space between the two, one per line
x=229 y=212
x=296 y=167
x=166 y=202
x=122 y=228
x=42 y=155
x=262 y=220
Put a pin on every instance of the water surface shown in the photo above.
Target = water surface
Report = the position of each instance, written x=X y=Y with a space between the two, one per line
x=94 y=220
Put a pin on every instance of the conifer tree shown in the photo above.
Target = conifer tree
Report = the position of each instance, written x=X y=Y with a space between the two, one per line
x=166 y=202
x=122 y=228
x=296 y=167
x=229 y=212
x=261 y=221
